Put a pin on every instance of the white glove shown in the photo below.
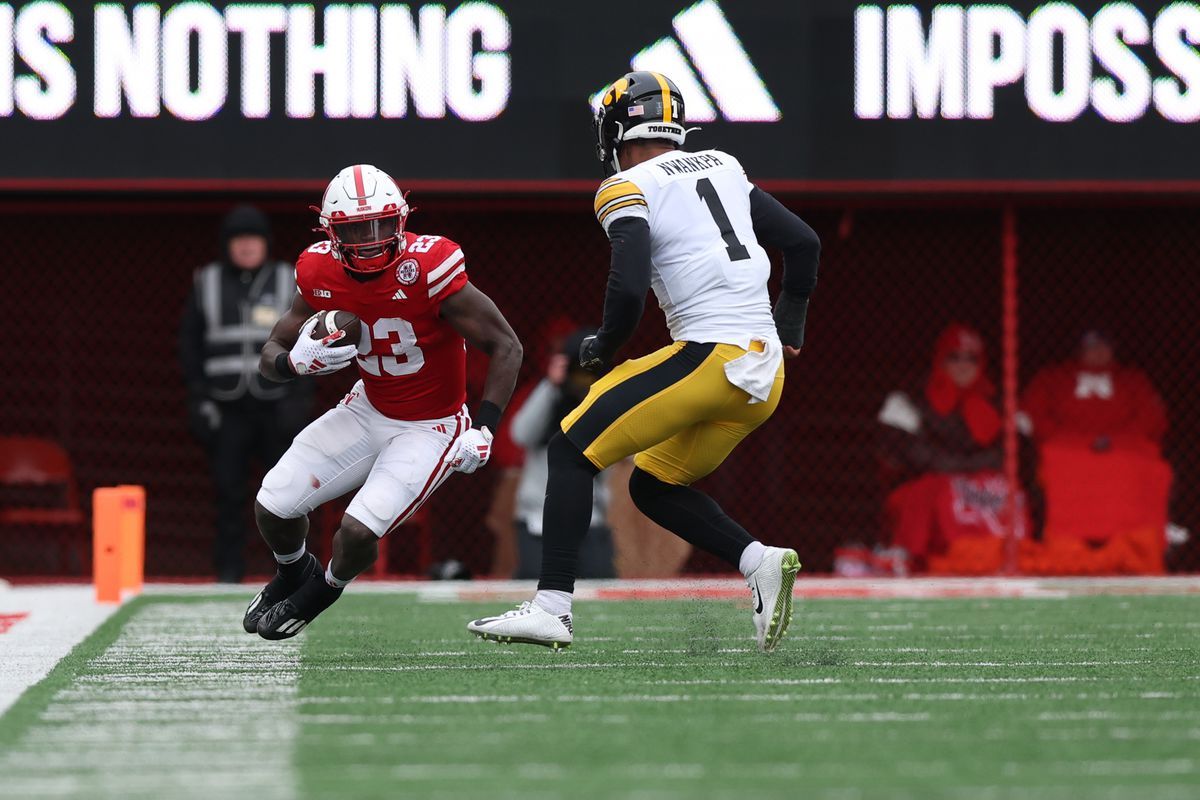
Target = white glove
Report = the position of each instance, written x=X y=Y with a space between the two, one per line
x=311 y=356
x=470 y=451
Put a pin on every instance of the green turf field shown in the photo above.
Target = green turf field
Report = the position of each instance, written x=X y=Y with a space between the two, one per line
x=388 y=697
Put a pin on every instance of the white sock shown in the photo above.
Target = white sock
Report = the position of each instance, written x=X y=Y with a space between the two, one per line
x=291 y=558
x=332 y=581
x=751 y=558
x=553 y=601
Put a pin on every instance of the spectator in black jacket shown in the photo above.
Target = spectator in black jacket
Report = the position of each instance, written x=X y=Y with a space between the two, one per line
x=230 y=310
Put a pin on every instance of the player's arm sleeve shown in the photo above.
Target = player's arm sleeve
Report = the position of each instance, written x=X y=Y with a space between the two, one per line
x=776 y=226
x=628 y=282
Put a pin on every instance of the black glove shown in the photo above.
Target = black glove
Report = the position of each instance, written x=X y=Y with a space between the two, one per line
x=203 y=418
x=592 y=357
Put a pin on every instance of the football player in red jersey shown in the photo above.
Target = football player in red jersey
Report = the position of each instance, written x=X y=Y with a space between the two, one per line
x=404 y=427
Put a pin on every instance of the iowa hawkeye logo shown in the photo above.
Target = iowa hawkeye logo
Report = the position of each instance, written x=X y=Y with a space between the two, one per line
x=728 y=83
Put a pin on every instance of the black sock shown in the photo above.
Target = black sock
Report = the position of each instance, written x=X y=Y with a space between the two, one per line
x=689 y=514
x=298 y=569
x=567 y=513
x=315 y=595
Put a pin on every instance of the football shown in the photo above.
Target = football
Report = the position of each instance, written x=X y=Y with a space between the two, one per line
x=332 y=321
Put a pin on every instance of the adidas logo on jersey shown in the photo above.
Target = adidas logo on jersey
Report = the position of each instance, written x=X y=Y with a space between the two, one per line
x=399 y=295
x=734 y=85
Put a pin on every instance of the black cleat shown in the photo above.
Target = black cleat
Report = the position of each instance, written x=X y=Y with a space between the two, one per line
x=290 y=616
x=280 y=587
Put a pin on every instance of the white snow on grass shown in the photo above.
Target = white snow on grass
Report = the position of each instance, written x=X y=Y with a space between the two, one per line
x=183 y=704
x=42 y=625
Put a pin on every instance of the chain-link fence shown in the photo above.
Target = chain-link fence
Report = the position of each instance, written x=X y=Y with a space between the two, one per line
x=94 y=287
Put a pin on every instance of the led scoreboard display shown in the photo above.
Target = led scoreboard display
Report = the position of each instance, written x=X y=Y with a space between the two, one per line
x=497 y=94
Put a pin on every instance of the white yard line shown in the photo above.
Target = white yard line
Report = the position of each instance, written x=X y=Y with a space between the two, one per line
x=183 y=704
x=733 y=588
x=38 y=627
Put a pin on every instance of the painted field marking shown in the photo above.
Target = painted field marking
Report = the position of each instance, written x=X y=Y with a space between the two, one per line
x=40 y=625
x=733 y=588
x=175 y=707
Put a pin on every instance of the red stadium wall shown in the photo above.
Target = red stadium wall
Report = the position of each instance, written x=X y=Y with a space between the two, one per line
x=93 y=289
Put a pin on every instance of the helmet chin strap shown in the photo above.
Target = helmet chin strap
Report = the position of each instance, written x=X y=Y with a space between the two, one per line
x=616 y=162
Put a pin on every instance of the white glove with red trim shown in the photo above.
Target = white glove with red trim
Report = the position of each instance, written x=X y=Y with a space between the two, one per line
x=470 y=451
x=311 y=356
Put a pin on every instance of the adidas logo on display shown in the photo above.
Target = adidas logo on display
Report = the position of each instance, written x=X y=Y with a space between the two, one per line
x=732 y=82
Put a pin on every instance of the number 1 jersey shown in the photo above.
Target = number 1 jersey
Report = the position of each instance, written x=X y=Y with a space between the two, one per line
x=412 y=362
x=708 y=271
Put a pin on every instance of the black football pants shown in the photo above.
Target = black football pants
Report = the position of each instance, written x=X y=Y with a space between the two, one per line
x=250 y=430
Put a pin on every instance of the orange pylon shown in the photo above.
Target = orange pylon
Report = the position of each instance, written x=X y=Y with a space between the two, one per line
x=118 y=540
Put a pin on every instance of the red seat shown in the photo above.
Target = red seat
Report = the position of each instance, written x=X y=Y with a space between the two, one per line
x=27 y=462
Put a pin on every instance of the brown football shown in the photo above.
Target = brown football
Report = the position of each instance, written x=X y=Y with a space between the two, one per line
x=332 y=321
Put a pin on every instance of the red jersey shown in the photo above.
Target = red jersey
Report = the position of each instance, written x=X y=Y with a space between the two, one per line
x=413 y=363
x=1116 y=401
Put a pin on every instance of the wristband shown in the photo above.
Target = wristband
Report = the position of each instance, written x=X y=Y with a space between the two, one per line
x=283 y=365
x=488 y=416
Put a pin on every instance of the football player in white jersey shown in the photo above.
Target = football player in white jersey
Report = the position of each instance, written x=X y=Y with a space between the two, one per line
x=691 y=227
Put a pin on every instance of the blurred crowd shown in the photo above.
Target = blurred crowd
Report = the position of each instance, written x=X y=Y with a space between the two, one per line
x=1093 y=429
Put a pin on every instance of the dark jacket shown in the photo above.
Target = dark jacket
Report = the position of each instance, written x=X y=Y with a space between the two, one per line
x=228 y=317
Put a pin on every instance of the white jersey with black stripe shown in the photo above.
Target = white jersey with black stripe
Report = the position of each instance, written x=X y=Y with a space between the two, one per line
x=708 y=270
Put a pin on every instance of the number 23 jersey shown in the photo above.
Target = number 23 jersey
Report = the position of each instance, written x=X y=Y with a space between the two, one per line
x=708 y=271
x=412 y=362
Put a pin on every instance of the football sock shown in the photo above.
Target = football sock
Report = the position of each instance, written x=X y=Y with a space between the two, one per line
x=293 y=566
x=336 y=583
x=751 y=558
x=315 y=596
x=689 y=514
x=291 y=558
x=553 y=601
x=567 y=513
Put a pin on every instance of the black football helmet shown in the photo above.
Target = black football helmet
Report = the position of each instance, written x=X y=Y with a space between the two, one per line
x=641 y=105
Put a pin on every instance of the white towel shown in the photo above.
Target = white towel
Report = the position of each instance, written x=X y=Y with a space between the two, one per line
x=754 y=373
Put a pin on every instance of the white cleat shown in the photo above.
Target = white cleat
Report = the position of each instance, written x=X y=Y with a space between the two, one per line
x=526 y=624
x=771 y=595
